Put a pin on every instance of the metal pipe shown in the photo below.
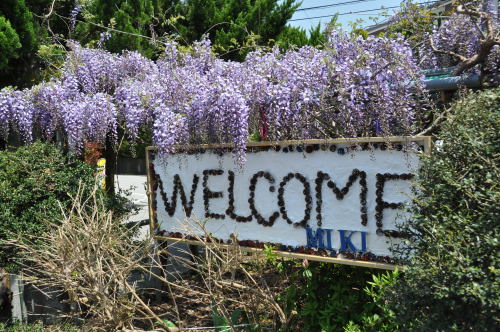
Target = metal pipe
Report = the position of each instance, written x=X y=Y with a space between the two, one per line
x=453 y=82
x=440 y=71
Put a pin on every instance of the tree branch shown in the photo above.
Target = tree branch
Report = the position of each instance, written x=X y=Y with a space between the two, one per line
x=436 y=50
x=490 y=40
x=51 y=10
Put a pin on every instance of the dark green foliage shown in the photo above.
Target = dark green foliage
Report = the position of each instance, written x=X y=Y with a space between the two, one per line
x=135 y=18
x=292 y=36
x=380 y=317
x=21 y=19
x=328 y=296
x=9 y=43
x=32 y=28
x=316 y=36
x=33 y=179
x=231 y=24
x=453 y=278
x=18 y=40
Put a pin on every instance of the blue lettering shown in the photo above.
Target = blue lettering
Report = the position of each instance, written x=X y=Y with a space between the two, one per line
x=363 y=241
x=314 y=239
x=328 y=238
x=346 y=242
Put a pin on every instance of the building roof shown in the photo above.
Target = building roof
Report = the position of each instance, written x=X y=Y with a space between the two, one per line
x=436 y=8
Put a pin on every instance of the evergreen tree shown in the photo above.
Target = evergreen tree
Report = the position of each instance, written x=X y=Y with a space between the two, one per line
x=230 y=23
x=292 y=36
x=134 y=18
x=9 y=43
x=18 y=41
x=298 y=37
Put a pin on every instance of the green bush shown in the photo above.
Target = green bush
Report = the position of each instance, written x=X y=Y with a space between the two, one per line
x=452 y=282
x=33 y=180
x=327 y=297
x=379 y=317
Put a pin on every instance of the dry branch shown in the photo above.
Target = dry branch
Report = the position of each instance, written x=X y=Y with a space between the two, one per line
x=89 y=257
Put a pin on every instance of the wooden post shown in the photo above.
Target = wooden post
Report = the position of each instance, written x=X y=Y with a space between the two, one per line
x=111 y=156
x=447 y=96
x=5 y=297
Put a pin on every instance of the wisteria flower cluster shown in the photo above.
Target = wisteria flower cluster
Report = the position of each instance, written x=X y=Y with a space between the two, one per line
x=353 y=87
x=461 y=34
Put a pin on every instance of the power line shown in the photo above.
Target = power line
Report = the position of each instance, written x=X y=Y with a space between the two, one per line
x=356 y=12
x=333 y=5
x=340 y=14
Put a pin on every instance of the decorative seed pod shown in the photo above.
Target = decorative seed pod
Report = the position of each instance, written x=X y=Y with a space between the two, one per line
x=251 y=201
x=379 y=193
x=230 y=209
x=208 y=194
x=307 y=194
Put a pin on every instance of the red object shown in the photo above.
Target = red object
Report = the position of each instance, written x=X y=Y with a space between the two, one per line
x=264 y=127
x=92 y=153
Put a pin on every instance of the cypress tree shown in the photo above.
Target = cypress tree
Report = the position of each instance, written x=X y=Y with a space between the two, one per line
x=18 y=41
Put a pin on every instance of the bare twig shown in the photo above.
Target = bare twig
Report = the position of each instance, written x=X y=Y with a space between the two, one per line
x=440 y=118
x=82 y=257
x=446 y=52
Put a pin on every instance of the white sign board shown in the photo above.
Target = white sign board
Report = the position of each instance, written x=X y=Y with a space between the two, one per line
x=329 y=198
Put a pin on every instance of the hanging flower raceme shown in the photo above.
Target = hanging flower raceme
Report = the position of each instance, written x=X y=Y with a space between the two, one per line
x=94 y=69
x=169 y=129
x=353 y=87
x=16 y=112
x=89 y=118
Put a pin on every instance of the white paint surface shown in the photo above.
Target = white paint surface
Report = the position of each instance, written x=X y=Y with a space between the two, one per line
x=135 y=186
x=337 y=214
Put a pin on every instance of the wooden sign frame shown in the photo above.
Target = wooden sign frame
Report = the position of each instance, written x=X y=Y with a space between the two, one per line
x=424 y=142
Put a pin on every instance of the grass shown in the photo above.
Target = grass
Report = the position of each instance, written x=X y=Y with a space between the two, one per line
x=37 y=327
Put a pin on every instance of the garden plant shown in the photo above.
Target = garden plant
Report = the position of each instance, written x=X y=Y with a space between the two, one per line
x=184 y=88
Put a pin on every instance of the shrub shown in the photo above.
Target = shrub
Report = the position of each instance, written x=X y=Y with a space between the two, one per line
x=89 y=257
x=378 y=317
x=328 y=297
x=452 y=282
x=33 y=179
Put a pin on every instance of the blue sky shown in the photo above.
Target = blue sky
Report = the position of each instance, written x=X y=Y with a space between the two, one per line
x=345 y=7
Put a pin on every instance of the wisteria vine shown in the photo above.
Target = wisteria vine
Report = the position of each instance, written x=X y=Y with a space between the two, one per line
x=353 y=87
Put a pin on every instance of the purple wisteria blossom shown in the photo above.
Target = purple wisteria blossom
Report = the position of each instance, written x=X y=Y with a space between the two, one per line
x=353 y=87
x=461 y=34
x=73 y=14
